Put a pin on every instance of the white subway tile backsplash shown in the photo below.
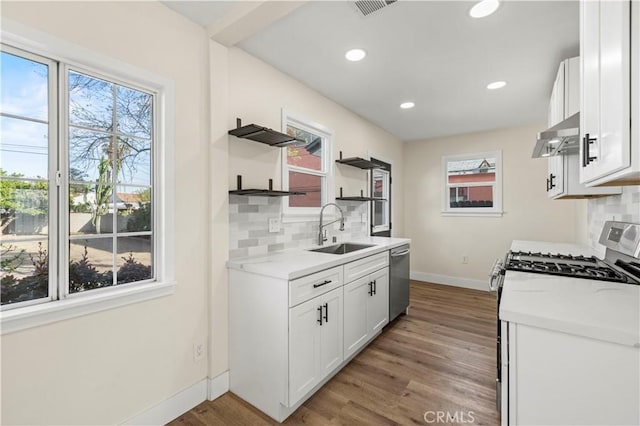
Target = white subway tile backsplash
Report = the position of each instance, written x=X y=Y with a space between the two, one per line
x=624 y=207
x=249 y=226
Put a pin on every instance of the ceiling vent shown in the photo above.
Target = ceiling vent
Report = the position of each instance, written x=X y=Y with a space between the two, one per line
x=369 y=6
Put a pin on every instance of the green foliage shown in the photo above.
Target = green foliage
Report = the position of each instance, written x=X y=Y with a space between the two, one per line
x=32 y=287
x=140 y=219
x=22 y=197
x=84 y=276
x=10 y=257
x=133 y=270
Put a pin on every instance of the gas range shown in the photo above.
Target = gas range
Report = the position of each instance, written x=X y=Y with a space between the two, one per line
x=621 y=263
x=566 y=265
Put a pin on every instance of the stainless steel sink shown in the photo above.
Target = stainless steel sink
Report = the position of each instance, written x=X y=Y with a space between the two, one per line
x=343 y=248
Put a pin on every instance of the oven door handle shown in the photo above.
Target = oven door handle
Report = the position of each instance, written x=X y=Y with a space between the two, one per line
x=496 y=271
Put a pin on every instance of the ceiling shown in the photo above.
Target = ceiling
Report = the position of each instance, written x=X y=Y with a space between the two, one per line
x=429 y=52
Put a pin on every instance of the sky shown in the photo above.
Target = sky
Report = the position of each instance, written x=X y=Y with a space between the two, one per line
x=24 y=143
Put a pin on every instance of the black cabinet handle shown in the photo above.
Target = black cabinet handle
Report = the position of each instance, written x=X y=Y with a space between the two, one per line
x=321 y=284
x=326 y=312
x=551 y=178
x=320 y=319
x=548 y=185
x=370 y=288
x=586 y=154
x=375 y=287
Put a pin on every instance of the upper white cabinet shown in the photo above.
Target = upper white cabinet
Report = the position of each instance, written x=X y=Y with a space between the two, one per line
x=563 y=179
x=608 y=152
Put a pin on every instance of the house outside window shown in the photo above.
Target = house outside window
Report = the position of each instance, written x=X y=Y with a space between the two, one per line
x=473 y=184
x=80 y=157
x=306 y=166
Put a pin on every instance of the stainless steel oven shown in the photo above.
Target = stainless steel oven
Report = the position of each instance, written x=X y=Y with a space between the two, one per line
x=496 y=281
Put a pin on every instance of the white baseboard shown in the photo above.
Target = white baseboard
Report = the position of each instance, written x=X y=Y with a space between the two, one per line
x=218 y=386
x=172 y=407
x=449 y=280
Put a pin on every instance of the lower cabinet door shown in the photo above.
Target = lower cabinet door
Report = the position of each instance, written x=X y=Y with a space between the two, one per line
x=356 y=295
x=331 y=332
x=378 y=303
x=304 y=348
x=315 y=342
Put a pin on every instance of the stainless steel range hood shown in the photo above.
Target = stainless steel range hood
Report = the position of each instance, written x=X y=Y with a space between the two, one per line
x=563 y=138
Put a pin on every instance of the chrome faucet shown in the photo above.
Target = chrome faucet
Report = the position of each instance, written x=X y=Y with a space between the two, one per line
x=321 y=237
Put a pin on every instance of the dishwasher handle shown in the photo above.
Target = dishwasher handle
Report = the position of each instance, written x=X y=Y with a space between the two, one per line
x=400 y=253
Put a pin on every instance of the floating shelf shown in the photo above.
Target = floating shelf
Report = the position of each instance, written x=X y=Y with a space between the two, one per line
x=262 y=192
x=263 y=135
x=358 y=198
x=358 y=162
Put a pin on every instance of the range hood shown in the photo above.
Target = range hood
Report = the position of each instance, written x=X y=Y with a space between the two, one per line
x=563 y=138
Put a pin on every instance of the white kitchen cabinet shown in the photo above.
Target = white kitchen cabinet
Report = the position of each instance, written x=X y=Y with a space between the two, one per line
x=551 y=385
x=366 y=309
x=608 y=153
x=286 y=337
x=315 y=342
x=563 y=179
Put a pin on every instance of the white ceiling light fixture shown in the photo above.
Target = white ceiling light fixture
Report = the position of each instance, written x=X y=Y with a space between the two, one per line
x=484 y=8
x=407 y=105
x=355 y=55
x=496 y=85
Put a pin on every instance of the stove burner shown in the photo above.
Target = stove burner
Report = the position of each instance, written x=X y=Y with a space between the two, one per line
x=563 y=265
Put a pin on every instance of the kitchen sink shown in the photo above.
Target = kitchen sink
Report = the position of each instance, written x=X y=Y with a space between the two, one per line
x=343 y=248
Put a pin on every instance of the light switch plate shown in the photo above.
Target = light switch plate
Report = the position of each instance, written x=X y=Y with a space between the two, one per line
x=274 y=224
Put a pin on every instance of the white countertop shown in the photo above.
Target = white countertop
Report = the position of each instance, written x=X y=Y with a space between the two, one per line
x=296 y=263
x=597 y=309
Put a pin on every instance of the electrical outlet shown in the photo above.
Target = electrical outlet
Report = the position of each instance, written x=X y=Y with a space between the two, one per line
x=274 y=224
x=465 y=259
x=199 y=351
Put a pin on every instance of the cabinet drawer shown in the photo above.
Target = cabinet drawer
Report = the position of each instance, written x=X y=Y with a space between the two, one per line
x=313 y=285
x=362 y=267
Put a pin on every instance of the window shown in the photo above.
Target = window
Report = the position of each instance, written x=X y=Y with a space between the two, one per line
x=380 y=209
x=79 y=179
x=473 y=184
x=306 y=167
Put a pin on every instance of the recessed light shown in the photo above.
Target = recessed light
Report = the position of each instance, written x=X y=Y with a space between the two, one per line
x=496 y=85
x=546 y=154
x=407 y=105
x=484 y=8
x=355 y=55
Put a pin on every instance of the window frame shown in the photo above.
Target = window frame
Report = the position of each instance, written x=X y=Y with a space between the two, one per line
x=497 y=184
x=66 y=54
x=293 y=214
x=387 y=204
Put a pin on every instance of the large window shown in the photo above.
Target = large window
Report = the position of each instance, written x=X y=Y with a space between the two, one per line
x=78 y=181
x=473 y=184
x=306 y=166
x=381 y=208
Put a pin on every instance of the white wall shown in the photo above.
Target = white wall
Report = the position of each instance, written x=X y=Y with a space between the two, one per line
x=257 y=94
x=107 y=367
x=438 y=242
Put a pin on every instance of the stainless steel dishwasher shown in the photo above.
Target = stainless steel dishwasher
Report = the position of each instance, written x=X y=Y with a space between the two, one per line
x=399 y=281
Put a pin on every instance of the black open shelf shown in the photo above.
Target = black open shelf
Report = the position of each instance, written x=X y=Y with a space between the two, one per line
x=262 y=192
x=358 y=162
x=361 y=197
x=263 y=135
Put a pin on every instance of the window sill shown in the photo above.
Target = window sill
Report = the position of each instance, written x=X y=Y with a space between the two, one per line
x=475 y=213
x=49 y=312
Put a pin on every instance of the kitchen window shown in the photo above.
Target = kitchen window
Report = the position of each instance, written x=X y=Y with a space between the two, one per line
x=381 y=208
x=306 y=166
x=472 y=184
x=80 y=178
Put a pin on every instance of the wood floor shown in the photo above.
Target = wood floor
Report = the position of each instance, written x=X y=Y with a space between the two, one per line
x=440 y=357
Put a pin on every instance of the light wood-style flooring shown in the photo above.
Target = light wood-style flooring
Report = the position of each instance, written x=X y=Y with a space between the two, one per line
x=440 y=357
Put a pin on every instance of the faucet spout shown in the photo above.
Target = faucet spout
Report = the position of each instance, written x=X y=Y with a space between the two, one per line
x=321 y=237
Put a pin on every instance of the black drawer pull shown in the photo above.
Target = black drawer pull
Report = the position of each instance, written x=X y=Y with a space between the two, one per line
x=320 y=319
x=326 y=312
x=551 y=178
x=321 y=284
x=375 y=285
x=548 y=185
x=586 y=154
